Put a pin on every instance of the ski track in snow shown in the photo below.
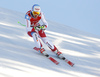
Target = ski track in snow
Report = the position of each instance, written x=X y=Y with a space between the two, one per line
x=18 y=59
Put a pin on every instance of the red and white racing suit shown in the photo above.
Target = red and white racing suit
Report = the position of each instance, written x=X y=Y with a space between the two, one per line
x=31 y=22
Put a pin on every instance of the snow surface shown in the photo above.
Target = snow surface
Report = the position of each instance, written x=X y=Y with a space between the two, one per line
x=18 y=59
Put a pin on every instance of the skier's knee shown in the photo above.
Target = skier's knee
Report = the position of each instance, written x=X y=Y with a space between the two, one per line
x=53 y=49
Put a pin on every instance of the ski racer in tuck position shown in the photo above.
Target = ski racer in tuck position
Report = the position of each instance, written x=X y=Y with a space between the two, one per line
x=36 y=30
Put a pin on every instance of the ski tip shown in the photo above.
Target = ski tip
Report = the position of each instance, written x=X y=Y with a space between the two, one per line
x=70 y=63
x=57 y=63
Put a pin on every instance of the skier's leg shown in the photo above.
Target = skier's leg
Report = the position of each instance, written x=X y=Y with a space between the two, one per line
x=38 y=43
x=36 y=40
x=45 y=40
x=50 y=44
x=52 y=47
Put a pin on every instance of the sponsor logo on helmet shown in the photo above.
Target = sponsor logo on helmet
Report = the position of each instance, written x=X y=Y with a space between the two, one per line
x=37 y=9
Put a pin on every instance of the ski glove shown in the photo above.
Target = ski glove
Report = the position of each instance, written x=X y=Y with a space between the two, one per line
x=38 y=28
x=43 y=27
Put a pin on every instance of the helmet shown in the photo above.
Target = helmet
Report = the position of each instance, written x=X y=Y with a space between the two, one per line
x=36 y=9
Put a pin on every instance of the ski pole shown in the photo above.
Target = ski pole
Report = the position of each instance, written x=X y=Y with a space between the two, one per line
x=21 y=24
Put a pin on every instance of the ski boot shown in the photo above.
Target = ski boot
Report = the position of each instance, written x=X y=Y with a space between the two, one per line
x=41 y=50
x=59 y=54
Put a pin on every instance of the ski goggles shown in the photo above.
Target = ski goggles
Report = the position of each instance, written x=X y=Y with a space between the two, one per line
x=36 y=13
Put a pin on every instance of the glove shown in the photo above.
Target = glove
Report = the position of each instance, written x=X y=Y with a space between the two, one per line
x=43 y=27
x=38 y=28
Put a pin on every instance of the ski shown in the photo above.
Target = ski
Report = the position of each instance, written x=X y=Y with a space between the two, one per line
x=68 y=61
x=51 y=58
x=42 y=50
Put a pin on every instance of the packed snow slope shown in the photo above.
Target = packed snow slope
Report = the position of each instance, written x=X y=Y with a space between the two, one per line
x=18 y=59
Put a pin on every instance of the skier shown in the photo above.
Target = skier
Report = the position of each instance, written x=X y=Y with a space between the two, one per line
x=36 y=30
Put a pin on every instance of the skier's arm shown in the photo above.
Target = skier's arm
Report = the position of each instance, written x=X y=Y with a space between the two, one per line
x=28 y=24
x=43 y=20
